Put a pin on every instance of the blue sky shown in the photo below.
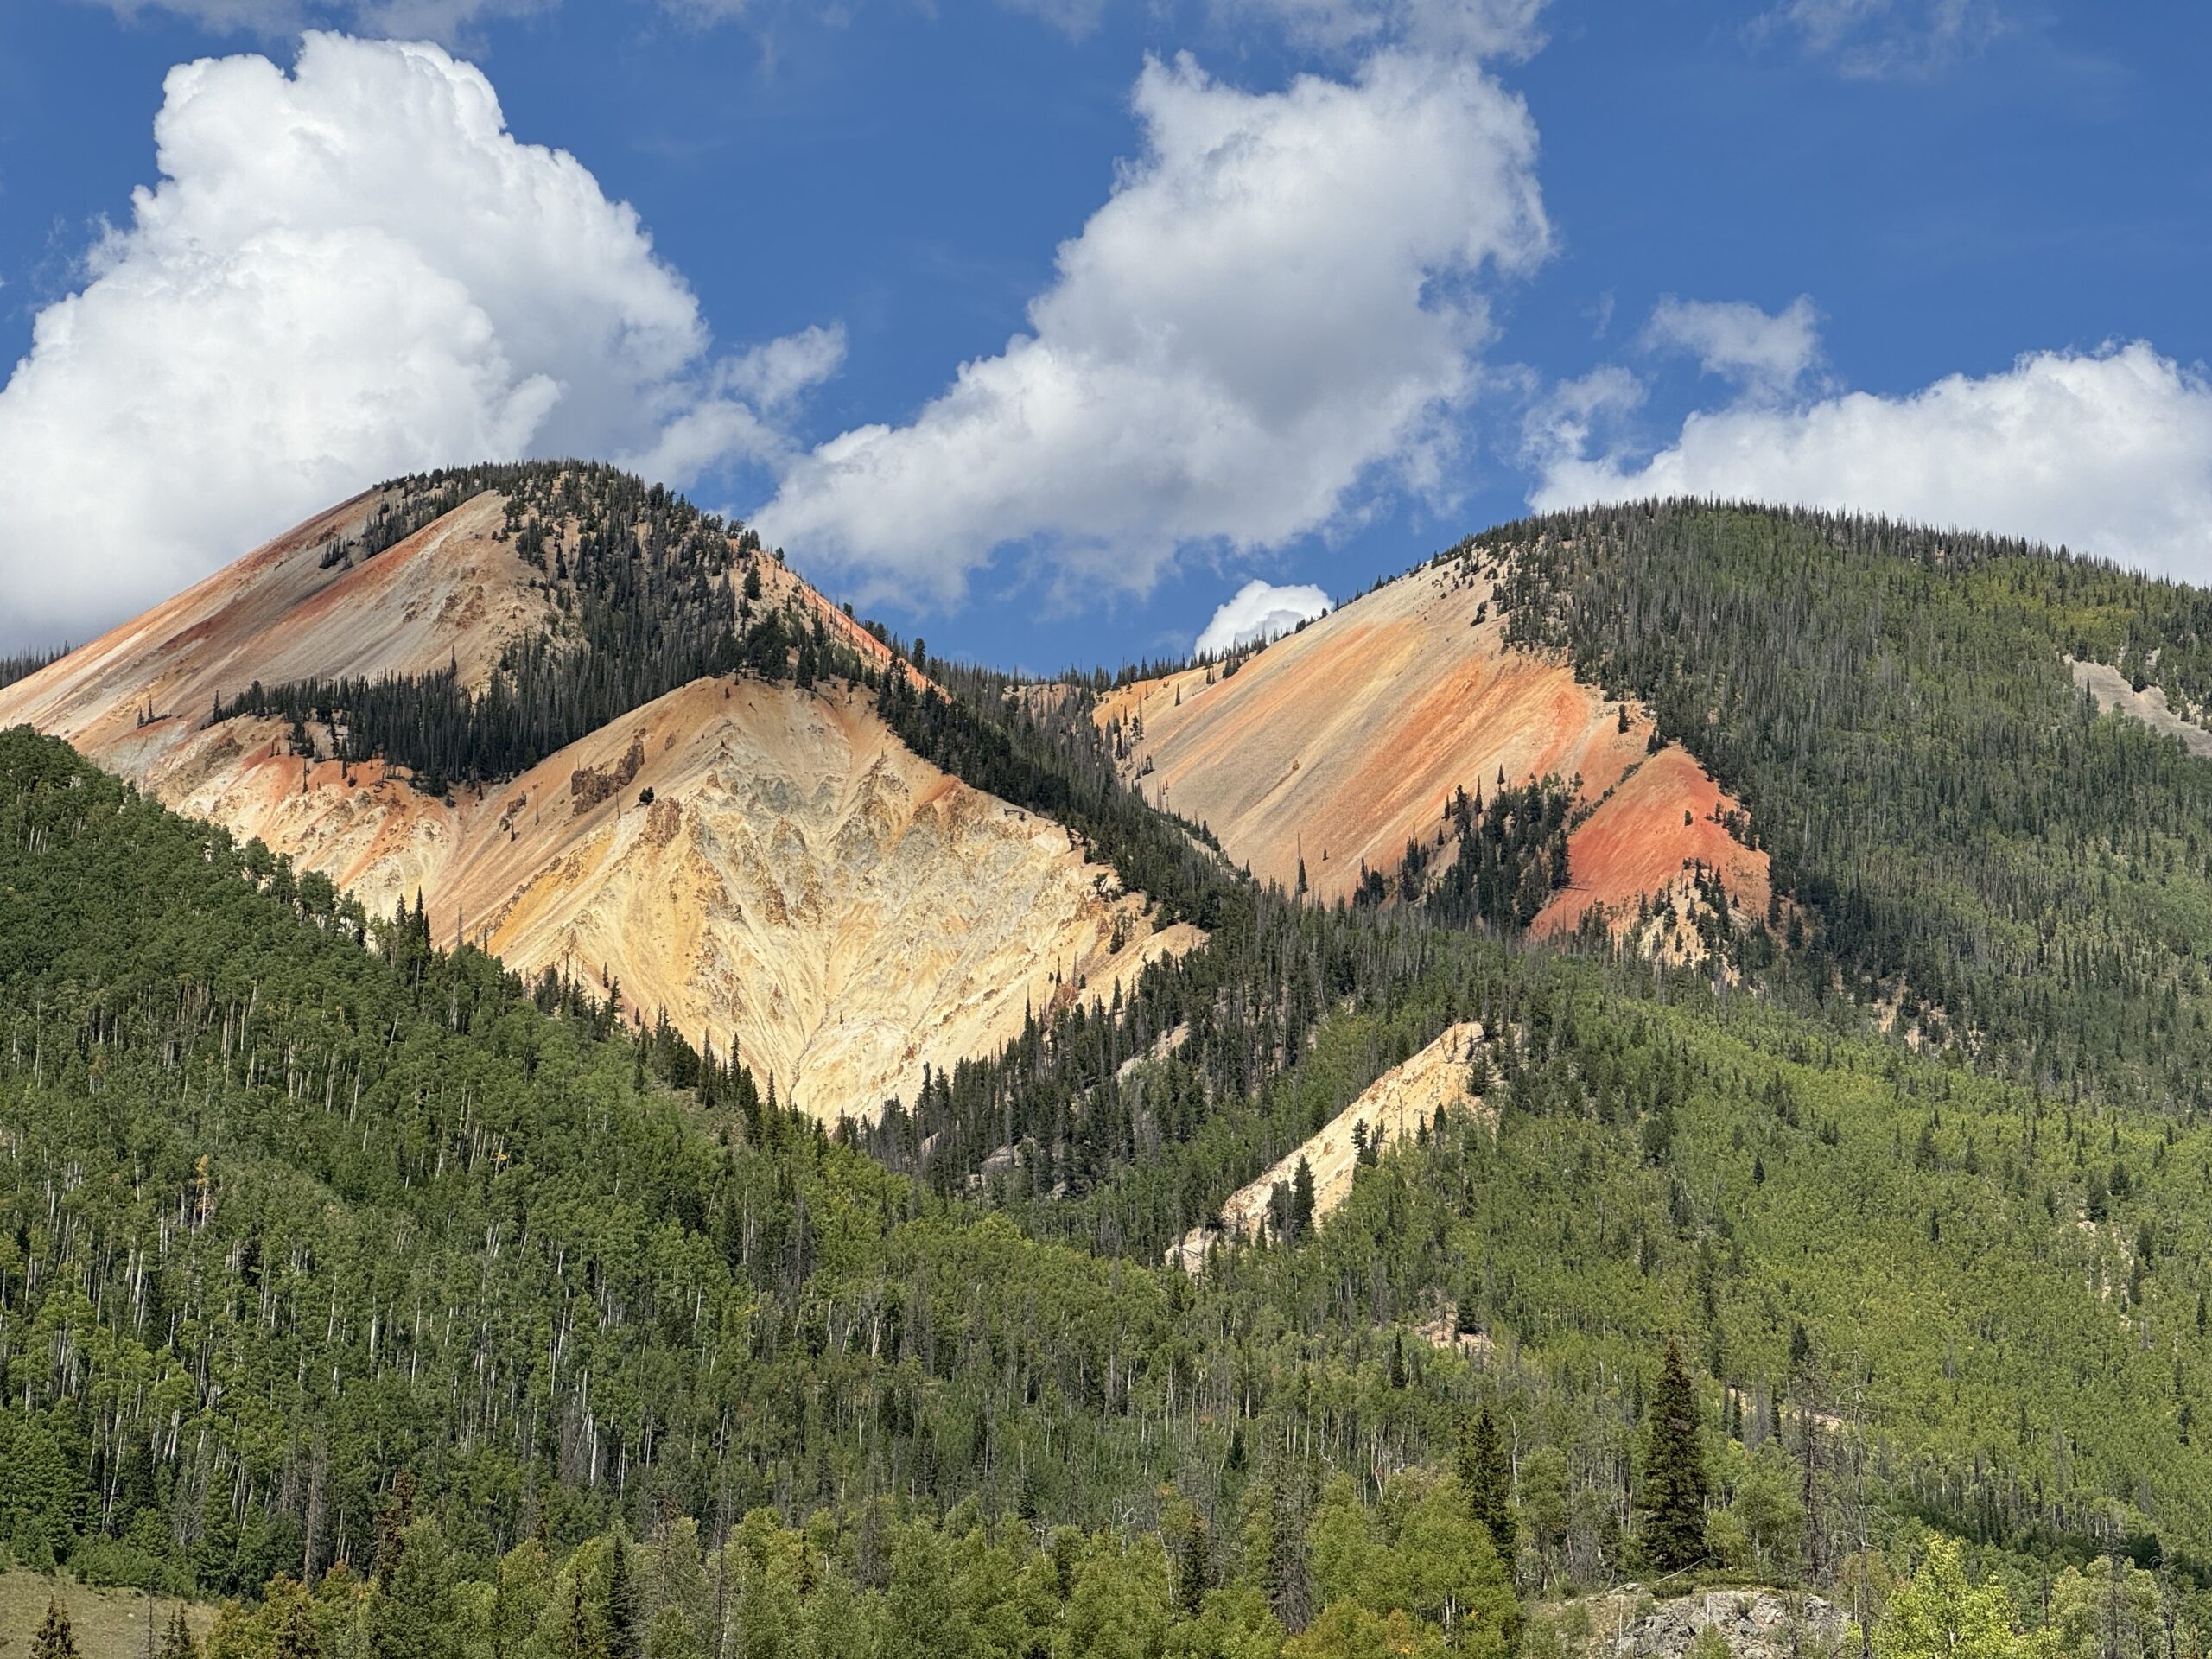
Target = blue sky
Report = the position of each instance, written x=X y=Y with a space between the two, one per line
x=1349 y=279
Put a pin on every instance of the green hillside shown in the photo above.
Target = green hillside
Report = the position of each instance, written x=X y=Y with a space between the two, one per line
x=509 y=1332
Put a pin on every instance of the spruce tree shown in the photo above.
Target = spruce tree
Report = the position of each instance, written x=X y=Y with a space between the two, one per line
x=1672 y=1500
x=621 y=1604
x=1301 y=1200
x=392 y=1525
x=1285 y=1576
x=1488 y=1484
x=1192 y=1552
x=54 y=1640
x=179 y=1641
x=296 y=1635
x=579 y=1634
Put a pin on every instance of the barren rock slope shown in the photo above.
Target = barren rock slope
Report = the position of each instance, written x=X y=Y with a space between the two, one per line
x=801 y=884
x=1398 y=1103
x=1341 y=742
x=2114 y=689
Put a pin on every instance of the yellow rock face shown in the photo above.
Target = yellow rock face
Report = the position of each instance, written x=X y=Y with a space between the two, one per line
x=801 y=885
x=1398 y=1103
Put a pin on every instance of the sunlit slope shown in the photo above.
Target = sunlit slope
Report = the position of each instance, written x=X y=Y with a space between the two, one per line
x=1340 y=743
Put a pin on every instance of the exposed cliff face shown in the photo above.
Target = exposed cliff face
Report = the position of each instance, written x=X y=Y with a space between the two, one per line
x=1343 y=741
x=800 y=884
x=800 y=881
x=1401 y=1102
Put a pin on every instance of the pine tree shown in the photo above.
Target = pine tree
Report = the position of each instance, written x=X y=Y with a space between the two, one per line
x=178 y=1643
x=579 y=1634
x=1285 y=1578
x=391 y=1526
x=621 y=1604
x=1673 y=1491
x=1192 y=1551
x=54 y=1640
x=1488 y=1484
x=1301 y=1200
x=296 y=1636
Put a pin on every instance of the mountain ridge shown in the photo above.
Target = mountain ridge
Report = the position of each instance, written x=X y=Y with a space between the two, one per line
x=554 y=893
x=1324 y=756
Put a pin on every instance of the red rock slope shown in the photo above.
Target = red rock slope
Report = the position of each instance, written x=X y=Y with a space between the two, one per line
x=1344 y=741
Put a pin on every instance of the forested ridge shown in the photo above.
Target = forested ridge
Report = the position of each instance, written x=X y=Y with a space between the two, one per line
x=509 y=1330
x=1967 y=836
x=646 y=592
x=23 y=665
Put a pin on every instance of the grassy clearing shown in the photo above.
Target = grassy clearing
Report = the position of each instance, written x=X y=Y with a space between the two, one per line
x=110 y=1623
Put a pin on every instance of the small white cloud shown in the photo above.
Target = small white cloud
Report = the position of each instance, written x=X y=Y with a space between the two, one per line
x=1258 y=612
x=774 y=375
x=345 y=272
x=1279 y=308
x=1875 y=40
x=221 y=16
x=1764 y=353
x=1074 y=18
x=1562 y=425
x=453 y=21
x=2108 y=452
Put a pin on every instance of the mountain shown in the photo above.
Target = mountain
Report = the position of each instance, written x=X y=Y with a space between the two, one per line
x=1362 y=1269
x=800 y=885
x=1338 y=747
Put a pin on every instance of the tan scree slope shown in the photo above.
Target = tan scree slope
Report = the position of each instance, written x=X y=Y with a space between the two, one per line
x=447 y=594
x=1345 y=739
x=1398 y=1103
x=2114 y=689
x=801 y=882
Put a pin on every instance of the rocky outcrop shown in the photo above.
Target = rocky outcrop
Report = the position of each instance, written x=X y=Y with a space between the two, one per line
x=1754 y=1622
x=1402 y=1101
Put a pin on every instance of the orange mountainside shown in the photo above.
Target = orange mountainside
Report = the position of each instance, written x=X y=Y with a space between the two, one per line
x=800 y=883
x=1343 y=741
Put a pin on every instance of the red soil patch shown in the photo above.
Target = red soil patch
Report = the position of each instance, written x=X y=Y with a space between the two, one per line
x=1637 y=842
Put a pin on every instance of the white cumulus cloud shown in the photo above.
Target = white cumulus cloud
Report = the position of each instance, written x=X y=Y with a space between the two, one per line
x=1258 y=612
x=1764 y=353
x=1280 y=305
x=2109 y=452
x=345 y=272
